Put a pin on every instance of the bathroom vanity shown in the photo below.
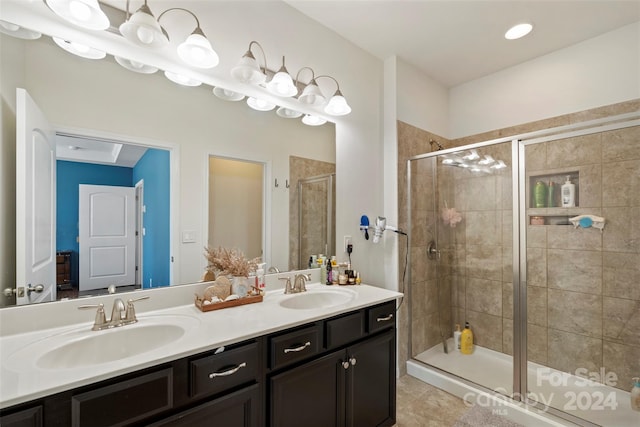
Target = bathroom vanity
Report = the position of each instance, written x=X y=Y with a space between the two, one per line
x=282 y=362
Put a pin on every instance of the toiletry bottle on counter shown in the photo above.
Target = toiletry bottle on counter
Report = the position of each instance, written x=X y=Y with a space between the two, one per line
x=466 y=340
x=456 y=337
x=635 y=395
x=329 y=280
x=568 y=193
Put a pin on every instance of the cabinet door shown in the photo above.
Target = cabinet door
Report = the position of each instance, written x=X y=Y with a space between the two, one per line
x=371 y=382
x=311 y=395
x=239 y=409
x=31 y=417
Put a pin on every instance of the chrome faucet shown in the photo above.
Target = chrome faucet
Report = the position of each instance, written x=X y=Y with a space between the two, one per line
x=299 y=284
x=287 y=285
x=120 y=315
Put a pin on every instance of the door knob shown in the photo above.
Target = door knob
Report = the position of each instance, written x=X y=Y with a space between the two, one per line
x=37 y=289
x=9 y=292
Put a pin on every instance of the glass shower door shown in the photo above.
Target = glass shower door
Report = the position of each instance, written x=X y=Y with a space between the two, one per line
x=316 y=218
x=461 y=202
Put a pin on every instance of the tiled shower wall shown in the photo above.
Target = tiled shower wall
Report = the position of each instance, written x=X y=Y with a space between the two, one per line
x=576 y=320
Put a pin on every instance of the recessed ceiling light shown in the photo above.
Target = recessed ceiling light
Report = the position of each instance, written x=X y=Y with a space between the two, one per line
x=517 y=31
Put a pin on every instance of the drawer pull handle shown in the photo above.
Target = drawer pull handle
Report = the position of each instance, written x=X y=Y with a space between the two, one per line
x=384 y=319
x=302 y=347
x=229 y=372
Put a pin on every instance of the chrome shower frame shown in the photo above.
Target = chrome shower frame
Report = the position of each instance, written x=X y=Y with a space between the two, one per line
x=518 y=174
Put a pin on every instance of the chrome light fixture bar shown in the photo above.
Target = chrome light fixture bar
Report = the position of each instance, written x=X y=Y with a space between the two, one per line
x=83 y=13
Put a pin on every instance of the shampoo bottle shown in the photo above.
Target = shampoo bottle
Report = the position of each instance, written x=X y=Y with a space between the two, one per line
x=456 y=337
x=635 y=395
x=568 y=193
x=466 y=340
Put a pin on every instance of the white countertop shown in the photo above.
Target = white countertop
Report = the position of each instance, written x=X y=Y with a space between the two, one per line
x=21 y=380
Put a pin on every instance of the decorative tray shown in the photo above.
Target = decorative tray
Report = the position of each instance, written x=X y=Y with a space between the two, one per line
x=249 y=299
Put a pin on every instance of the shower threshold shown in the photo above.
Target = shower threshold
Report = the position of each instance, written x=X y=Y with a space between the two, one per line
x=596 y=403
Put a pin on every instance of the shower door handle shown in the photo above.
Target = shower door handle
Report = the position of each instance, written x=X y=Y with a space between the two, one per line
x=432 y=251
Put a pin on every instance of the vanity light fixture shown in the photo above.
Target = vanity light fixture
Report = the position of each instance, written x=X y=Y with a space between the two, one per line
x=135 y=66
x=260 y=104
x=227 y=95
x=83 y=13
x=288 y=113
x=281 y=83
x=518 y=31
x=311 y=120
x=79 y=49
x=17 y=31
x=248 y=71
x=143 y=29
x=182 y=79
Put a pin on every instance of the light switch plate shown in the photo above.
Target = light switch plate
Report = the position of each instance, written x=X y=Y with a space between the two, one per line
x=188 y=236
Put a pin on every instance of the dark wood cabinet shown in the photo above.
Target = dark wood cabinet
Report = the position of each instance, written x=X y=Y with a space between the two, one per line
x=238 y=409
x=337 y=372
x=30 y=417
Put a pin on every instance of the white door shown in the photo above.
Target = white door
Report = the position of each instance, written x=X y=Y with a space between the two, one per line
x=35 y=203
x=107 y=236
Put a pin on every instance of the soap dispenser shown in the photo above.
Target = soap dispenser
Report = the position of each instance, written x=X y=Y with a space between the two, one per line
x=568 y=193
x=635 y=395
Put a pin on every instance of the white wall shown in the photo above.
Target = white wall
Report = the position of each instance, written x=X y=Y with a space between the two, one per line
x=601 y=71
x=422 y=102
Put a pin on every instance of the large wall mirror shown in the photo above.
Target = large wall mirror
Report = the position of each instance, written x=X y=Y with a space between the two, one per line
x=82 y=97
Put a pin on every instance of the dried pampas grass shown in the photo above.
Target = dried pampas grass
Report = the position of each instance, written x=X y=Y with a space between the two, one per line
x=229 y=262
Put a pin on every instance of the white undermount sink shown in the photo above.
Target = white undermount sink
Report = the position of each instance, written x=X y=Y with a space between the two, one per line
x=318 y=298
x=85 y=348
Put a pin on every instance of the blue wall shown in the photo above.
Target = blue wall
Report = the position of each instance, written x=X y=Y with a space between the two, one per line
x=69 y=175
x=153 y=168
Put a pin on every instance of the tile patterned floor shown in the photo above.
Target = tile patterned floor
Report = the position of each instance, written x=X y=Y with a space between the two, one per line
x=422 y=405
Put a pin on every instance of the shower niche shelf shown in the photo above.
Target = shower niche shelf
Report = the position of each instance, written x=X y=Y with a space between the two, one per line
x=551 y=206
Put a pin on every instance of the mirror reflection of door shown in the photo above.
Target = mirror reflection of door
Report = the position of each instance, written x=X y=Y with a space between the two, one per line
x=236 y=193
x=316 y=218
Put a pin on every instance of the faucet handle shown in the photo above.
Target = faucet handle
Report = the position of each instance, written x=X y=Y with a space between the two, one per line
x=100 y=320
x=130 y=316
x=287 y=286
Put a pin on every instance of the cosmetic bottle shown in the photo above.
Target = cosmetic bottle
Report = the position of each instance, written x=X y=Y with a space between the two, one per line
x=329 y=280
x=551 y=194
x=568 y=193
x=635 y=395
x=466 y=340
x=456 y=337
x=540 y=194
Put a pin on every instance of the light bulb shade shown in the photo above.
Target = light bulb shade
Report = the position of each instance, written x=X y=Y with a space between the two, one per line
x=311 y=94
x=227 y=95
x=312 y=120
x=181 y=79
x=197 y=51
x=83 y=13
x=135 y=66
x=337 y=105
x=143 y=29
x=282 y=84
x=79 y=49
x=288 y=113
x=18 y=31
x=248 y=71
x=260 y=104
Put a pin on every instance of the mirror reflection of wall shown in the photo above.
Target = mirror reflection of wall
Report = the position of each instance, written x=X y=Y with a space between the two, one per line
x=236 y=189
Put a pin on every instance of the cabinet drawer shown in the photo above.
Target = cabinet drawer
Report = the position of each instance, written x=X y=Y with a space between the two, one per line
x=31 y=417
x=220 y=372
x=124 y=402
x=345 y=329
x=381 y=316
x=294 y=346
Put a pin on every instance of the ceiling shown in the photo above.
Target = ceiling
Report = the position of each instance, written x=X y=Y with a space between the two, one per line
x=456 y=41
